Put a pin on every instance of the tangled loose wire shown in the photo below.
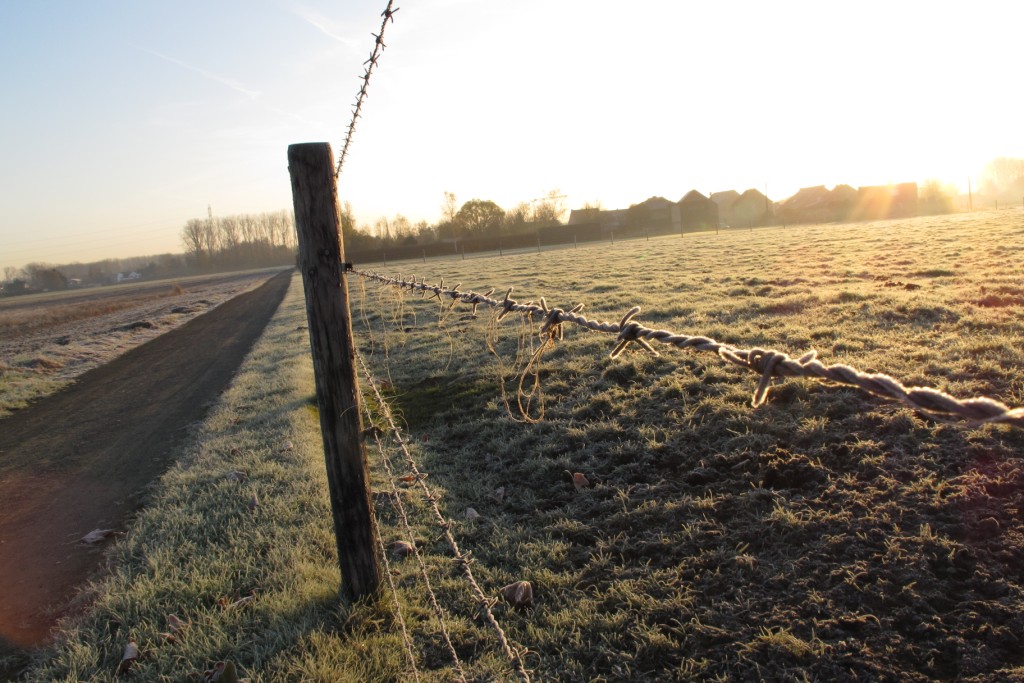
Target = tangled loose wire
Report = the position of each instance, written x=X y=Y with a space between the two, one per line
x=768 y=363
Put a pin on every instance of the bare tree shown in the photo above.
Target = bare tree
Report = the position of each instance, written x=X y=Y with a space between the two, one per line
x=517 y=219
x=1004 y=177
x=193 y=240
x=382 y=228
x=230 y=231
x=450 y=207
x=550 y=209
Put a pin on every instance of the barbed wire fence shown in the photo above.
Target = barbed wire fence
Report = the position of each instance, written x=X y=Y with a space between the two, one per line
x=463 y=559
x=534 y=341
x=768 y=363
x=514 y=654
x=370 y=64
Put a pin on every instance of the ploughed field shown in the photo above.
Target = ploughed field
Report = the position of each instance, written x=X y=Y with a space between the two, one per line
x=47 y=340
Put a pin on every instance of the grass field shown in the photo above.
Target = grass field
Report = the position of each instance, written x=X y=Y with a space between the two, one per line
x=827 y=535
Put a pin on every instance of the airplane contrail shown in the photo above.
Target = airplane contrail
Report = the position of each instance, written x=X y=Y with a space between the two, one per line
x=234 y=85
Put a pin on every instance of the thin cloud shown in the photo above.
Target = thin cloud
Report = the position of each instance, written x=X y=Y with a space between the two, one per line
x=227 y=82
x=324 y=25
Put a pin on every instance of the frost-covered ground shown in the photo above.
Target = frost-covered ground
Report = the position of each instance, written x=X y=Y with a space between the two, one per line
x=49 y=340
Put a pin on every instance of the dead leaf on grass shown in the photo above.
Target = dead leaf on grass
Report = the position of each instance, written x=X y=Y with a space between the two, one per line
x=579 y=480
x=235 y=475
x=96 y=535
x=175 y=624
x=401 y=549
x=240 y=602
x=254 y=502
x=472 y=514
x=287 y=446
x=222 y=672
x=131 y=653
x=499 y=494
x=410 y=478
x=518 y=594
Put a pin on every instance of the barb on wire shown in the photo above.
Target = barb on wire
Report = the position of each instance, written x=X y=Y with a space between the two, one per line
x=768 y=363
x=462 y=559
x=370 y=64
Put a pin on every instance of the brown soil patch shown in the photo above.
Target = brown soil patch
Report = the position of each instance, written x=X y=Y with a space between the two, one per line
x=81 y=459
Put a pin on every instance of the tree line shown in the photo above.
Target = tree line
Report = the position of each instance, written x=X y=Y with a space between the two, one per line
x=42 y=277
x=240 y=241
x=212 y=244
x=472 y=219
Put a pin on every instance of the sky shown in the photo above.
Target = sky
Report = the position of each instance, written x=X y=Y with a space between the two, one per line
x=120 y=120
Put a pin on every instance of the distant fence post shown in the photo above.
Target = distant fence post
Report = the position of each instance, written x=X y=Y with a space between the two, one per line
x=321 y=255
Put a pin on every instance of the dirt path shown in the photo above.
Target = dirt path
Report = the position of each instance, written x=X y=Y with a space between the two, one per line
x=78 y=460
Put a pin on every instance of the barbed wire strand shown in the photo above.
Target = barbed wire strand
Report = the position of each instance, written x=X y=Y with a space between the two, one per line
x=462 y=559
x=370 y=64
x=406 y=640
x=396 y=496
x=768 y=363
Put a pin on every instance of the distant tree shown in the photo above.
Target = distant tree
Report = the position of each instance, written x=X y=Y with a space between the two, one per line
x=480 y=217
x=10 y=272
x=936 y=198
x=402 y=228
x=450 y=207
x=447 y=229
x=425 y=233
x=549 y=210
x=1004 y=177
x=192 y=238
x=349 y=227
x=517 y=219
x=230 y=231
x=382 y=229
x=47 y=278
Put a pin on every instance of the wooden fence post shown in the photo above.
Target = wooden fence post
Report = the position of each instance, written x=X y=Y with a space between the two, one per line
x=321 y=255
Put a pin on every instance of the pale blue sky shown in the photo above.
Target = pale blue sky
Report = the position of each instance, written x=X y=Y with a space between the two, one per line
x=120 y=119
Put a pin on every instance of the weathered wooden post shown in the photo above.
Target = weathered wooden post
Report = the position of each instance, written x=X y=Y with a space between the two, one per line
x=321 y=258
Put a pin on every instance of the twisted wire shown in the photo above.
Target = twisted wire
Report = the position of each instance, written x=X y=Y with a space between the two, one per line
x=769 y=363
x=370 y=64
x=463 y=560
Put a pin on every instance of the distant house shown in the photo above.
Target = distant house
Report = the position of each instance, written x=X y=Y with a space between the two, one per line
x=588 y=224
x=695 y=212
x=751 y=208
x=725 y=201
x=126 y=277
x=584 y=216
x=653 y=214
x=810 y=205
x=844 y=198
